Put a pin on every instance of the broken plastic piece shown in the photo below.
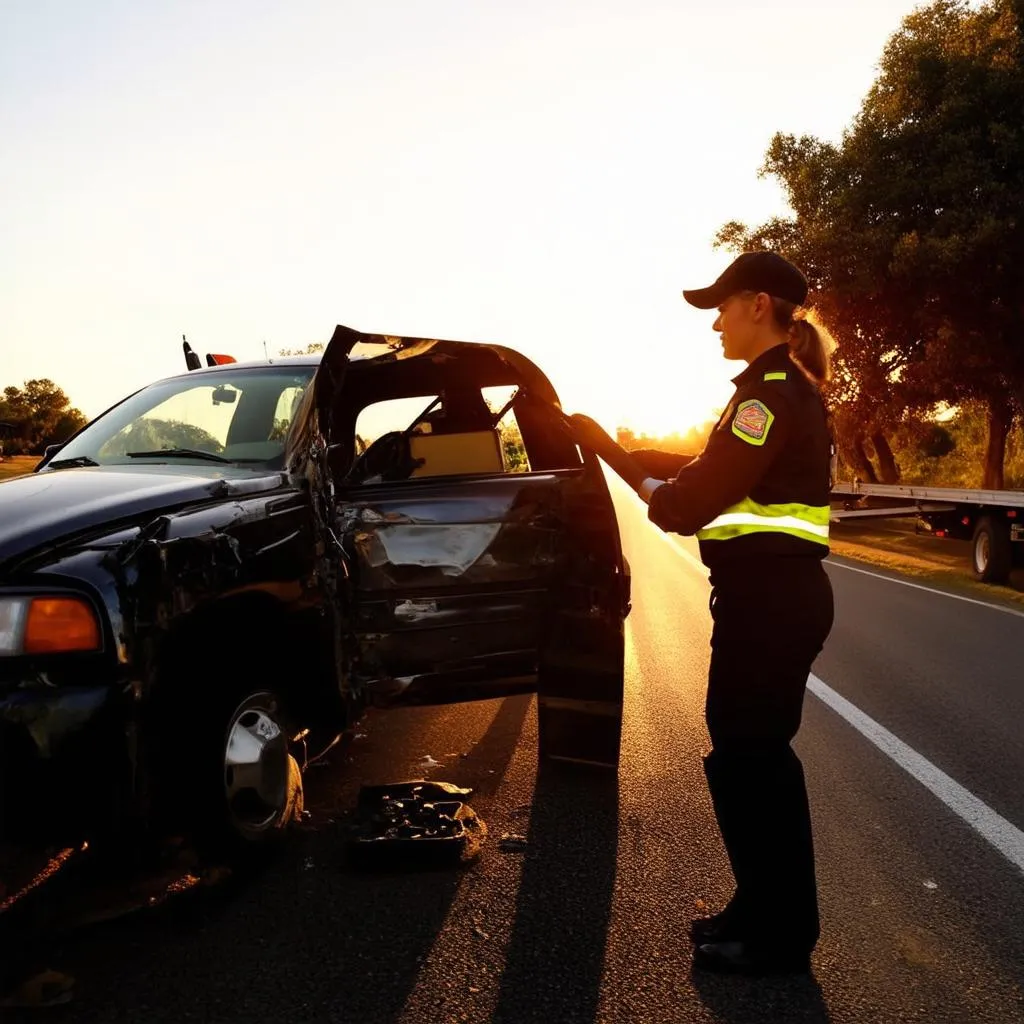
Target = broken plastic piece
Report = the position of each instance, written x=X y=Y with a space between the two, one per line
x=513 y=844
x=420 y=819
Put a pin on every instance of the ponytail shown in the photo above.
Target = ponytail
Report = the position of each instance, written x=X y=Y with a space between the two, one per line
x=807 y=345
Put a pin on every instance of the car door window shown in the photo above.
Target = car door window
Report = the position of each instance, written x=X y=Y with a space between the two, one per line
x=514 y=454
x=393 y=416
x=465 y=430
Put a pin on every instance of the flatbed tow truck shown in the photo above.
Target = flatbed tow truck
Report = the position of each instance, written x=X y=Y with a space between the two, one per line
x=992 y=520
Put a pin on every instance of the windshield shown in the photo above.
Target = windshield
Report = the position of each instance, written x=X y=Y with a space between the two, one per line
x=239 y=416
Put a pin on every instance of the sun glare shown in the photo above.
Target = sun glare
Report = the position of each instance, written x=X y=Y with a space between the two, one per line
x=660 y=409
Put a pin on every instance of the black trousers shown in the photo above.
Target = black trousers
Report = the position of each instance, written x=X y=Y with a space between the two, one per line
x=770 y=623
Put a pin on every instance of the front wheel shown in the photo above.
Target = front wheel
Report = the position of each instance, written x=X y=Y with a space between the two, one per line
x=241 y=786
x=991 y=552
x=262 y=785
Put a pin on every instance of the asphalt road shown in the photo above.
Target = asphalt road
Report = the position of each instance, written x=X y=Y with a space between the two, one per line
x=921 y=912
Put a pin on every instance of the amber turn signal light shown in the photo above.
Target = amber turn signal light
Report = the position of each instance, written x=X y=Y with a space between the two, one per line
x=60 y=624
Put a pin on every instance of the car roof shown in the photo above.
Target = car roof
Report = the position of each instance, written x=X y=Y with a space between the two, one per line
x=312 y=361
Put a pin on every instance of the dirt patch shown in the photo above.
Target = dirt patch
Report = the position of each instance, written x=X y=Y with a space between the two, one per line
x=894 y=545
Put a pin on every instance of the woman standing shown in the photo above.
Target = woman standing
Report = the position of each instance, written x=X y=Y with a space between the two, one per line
x=757 y=499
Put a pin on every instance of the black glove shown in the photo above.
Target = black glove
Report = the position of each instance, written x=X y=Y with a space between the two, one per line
x=591 y=435
x=661 y=465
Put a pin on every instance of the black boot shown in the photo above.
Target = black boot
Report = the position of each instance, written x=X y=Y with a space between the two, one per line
x=727 y=924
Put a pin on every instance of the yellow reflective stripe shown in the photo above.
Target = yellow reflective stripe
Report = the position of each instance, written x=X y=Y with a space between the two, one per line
x=808 y=522
x=775 y=376
x=816 y=514
x=737 y=523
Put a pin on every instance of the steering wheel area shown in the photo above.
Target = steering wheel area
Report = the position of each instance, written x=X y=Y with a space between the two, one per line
x=387 y=458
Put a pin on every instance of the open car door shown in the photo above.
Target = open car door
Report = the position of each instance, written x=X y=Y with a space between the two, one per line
x=465 y=577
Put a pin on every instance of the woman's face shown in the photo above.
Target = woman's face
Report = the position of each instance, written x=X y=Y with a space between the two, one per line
x=738 y=325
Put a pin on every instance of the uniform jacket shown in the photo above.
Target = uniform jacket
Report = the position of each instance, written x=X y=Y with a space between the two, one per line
x=761 y=485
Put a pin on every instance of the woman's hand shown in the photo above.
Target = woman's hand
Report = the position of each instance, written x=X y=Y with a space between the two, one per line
x=591 y=435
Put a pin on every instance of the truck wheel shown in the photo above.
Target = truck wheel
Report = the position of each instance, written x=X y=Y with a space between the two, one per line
x=991 y=552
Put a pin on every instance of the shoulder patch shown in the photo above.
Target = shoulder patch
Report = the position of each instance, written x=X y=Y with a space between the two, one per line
x=780 y=375
x=752 y=421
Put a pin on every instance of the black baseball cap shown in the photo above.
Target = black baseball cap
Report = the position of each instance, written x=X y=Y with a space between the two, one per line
x=753 y=272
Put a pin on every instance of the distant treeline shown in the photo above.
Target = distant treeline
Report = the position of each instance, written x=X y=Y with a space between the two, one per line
x=35 y=416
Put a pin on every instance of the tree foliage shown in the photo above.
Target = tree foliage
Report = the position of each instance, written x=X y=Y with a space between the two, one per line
x=35 y=416
x=151 y=433
x=689 y=443
x=312 y=349
x=911 y=228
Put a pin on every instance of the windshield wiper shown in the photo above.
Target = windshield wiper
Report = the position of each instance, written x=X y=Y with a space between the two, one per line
x=179 y=453
x=80 y=460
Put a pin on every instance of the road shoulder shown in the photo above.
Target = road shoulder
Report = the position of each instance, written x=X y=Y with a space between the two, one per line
x=893 y=549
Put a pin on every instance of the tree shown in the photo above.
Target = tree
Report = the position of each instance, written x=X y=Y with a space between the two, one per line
x=911 y=228
x=38 y=415
x=952 y=89
x=151 y=434
x=513 y=448
x=312 y=349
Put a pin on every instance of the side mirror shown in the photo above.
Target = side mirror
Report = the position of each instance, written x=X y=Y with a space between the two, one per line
x=51 y=449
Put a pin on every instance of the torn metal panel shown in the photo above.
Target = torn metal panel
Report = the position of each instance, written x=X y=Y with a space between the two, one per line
x=186 y=560
x=451 y=549
x=451 y=589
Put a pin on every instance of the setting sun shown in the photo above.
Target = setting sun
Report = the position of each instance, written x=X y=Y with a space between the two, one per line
x=656 y=397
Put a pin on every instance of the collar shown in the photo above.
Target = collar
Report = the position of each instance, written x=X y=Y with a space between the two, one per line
x=777 y=357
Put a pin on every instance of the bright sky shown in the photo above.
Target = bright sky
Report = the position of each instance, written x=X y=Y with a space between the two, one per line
x=546 y=175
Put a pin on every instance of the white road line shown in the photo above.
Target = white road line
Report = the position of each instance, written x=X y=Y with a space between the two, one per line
x=930 y=590
x=1004 y=836
x=677 y=547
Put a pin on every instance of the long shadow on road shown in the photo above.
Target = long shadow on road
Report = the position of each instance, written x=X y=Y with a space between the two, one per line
x=735 y=1000
x=556 y=952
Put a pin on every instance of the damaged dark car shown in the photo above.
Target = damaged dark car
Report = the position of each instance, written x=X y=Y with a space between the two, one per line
x=213 y=580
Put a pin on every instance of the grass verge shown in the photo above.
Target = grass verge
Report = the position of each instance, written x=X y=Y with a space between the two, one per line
x=944 y=564
x=17 y=465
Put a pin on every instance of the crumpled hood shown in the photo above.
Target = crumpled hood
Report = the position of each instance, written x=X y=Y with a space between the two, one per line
x=43 y=508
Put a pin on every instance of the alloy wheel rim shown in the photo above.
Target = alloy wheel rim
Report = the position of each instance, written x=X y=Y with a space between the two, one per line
x=256 y=766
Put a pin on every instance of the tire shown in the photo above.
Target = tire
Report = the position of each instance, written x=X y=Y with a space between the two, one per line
x=991 y=551
x=247 y=787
